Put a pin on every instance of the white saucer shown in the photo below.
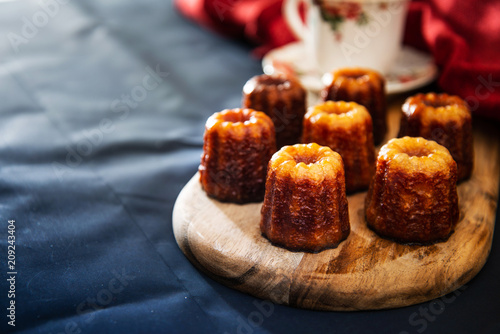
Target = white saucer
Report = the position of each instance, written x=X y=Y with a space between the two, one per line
x=412 y=69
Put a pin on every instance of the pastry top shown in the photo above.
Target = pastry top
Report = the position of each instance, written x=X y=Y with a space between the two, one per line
x=276 y=82
x=354 y=77
x=437 y=107
x=237 y=121
x=416 y=155
x=306 y=161
x=339 y=114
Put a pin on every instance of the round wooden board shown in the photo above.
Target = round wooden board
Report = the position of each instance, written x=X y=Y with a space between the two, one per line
x=364 y=272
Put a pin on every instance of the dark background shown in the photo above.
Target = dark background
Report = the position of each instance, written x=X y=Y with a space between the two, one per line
x=91 y=165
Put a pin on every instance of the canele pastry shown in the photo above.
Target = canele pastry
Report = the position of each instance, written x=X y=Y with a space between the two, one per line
x=413 y=195
x=283 y=99
x=447 y=120
x=305 y=206
x=345 y=127
x=363 y=86
x=238 y=144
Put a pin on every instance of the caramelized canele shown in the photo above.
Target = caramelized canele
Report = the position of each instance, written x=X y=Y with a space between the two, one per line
x=447 y=120
x=413 y=196
x=283 y=99
x=345 y=127
x=363 y=86
x=238 y=144
x=305 y=206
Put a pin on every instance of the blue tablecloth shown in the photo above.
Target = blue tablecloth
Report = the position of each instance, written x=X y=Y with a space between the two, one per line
x=103 y=105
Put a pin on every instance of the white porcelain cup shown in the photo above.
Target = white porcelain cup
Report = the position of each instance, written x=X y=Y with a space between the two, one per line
x=364 y=33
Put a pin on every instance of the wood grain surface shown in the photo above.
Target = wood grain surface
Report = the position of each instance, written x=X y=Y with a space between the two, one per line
x=365 y=271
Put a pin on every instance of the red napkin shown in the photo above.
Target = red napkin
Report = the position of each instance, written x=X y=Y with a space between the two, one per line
x=462 y=35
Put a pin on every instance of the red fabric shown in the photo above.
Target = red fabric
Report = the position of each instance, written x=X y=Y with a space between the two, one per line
x=462 y=35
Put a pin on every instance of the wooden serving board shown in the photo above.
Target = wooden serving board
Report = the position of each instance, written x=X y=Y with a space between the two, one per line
x=365 y=271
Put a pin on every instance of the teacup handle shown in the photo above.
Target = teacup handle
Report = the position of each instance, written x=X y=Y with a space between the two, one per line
x=292 y=17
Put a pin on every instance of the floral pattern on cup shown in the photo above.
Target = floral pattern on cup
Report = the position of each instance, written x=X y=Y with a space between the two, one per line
x=335 y=13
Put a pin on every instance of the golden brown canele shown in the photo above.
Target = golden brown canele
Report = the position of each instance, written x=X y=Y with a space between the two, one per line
x=413 y=195
x=363 y=86
x=305 y=206
x=345 y=127
x=447 y=120
x=283 y=99
x=237 y=146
